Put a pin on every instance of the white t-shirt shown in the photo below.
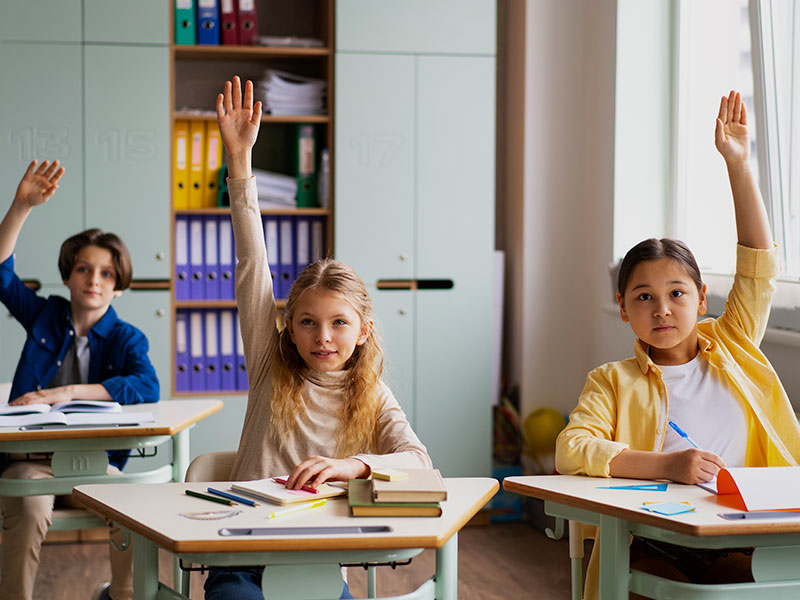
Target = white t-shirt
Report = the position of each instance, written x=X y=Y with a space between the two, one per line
x=706 y=409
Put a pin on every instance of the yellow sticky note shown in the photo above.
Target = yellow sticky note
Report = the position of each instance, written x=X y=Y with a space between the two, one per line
x=390 y=475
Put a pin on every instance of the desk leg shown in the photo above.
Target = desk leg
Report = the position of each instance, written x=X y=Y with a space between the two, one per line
x=372 y=582
x=447 y=570
x=614 y=540
x=145 y=568
x=180 y=454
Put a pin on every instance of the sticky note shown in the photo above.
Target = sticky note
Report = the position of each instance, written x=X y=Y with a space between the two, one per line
x=390 y=475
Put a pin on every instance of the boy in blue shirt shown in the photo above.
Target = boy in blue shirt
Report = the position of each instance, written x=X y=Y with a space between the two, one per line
x=75 y=349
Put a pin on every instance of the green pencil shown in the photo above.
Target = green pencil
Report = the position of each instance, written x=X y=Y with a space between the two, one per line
x=212 y=498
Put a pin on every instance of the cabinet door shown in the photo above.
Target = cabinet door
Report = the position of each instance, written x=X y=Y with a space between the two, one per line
x=127 y=150
x=394 y=311
x=40 y=21
x=375 y=165
x=455 y=241
x=426 y=26
x=125 y=22
x=148 y=310
x=41 y=119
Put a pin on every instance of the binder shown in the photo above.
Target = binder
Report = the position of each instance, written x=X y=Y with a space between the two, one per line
x=184 y=22
x=181 y=282
x=248 y=22
x=241 y=367
x=180 y=167
x=317 y=239
x=302 y=239
x=208 y=22
x=197 y=375
x=271 y=240
x=227 y=350
x=213 y=162
x=229 y=26
x=181 y=353
x=305 y=166
x=223 y=197
x=196 y=260
x=286 y=256
x=212 y=358
x=211 y=259
x=197 y=132
x=226 y=254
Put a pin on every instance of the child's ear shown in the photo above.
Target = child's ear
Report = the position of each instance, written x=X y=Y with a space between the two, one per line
x=366 y=329
x=290 y=329
x=702 y=306
x=623 y=314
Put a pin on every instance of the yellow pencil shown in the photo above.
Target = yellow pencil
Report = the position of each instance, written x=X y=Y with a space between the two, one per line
x=298 y=508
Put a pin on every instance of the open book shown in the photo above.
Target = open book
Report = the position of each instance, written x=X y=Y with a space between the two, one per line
x=74 y=412
x=272 y=491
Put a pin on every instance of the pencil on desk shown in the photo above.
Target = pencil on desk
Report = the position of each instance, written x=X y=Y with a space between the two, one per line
x=230 y=496
x=211 y=498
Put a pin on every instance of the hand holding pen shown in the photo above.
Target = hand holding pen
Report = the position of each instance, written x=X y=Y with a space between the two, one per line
x=693 y=465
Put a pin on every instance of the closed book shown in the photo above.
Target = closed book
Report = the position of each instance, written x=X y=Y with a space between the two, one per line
x=359 y=496
x=422 y=485
x=278 y=493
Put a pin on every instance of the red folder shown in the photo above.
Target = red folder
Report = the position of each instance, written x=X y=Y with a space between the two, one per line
x=228 y=16
x=248 y=22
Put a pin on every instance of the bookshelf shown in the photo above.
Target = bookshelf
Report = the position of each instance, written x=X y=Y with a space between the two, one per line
x=197 y=75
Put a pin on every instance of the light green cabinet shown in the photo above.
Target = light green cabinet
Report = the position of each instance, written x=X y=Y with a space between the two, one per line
x=415 y=190
x=40 y=20
x=127 y=150
x=126 y=21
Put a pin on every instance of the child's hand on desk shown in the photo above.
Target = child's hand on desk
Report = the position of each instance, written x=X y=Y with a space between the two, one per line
x=38 y=185
x=317 y=470
x=49 y=396
x=692 y=466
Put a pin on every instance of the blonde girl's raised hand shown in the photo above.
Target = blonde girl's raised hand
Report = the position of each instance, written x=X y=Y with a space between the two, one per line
x=239 y=120
x=38 y=184
x=730 y=135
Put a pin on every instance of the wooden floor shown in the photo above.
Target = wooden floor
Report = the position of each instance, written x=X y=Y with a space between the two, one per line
x=495 y=562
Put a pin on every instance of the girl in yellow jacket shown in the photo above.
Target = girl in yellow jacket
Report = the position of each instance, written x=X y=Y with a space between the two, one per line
x=710 y=377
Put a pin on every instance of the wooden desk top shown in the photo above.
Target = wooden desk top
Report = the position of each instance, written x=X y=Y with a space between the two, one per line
x=582 y=492
x=171 y=417
x=154 y=511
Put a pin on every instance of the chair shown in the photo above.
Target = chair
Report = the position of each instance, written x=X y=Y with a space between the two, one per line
x=577 y=535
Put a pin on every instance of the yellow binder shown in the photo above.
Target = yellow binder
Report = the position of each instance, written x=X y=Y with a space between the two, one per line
x=197 y=132
x=213 y=163
x=180 y=167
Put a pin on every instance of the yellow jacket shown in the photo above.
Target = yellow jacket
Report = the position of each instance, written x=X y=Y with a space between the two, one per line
x=624 y=404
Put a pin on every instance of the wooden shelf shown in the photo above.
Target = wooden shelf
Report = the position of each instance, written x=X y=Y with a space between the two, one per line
x=247 y=52
x=212 y=116
x=321 y=212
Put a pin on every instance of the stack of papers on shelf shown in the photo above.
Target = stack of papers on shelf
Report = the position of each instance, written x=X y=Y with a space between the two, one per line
x=278 y=493
x=287 y=94
x=362 y=504
x=275 y=190
x=75 y=412
x=289 y=41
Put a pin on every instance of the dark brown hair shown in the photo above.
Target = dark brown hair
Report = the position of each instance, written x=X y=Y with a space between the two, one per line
x=95 y=237
x=654 y=249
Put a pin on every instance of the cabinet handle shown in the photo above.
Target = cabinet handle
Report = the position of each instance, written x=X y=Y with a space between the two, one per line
x=414 y=284
x=160 y=256
x=160 y=312
x=401 y=311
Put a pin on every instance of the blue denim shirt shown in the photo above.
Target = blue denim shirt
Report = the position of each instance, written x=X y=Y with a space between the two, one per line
x=118 y=351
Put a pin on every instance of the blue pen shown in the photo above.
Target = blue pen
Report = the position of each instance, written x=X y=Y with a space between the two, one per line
x=230 y=496
x=683 y=434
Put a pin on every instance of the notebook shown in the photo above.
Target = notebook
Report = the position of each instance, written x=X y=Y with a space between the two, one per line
x=73 y=413
x=361 y=504
x=422 y=485
x=269 y=490
x=761 y=488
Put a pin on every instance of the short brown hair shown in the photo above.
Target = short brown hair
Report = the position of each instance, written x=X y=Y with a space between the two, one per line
x=654 y=249
x=95 y=237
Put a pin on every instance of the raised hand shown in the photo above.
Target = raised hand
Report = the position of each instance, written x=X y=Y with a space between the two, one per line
x=38 y=184
x=239 y=120
x=730 y=135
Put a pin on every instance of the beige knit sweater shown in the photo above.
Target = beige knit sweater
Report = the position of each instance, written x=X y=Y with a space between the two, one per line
x=258 y=456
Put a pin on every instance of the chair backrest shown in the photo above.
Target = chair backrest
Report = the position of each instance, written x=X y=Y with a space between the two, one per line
x=211 y=466
x=5 y=390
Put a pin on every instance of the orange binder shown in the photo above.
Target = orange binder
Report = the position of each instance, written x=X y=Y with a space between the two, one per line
x=213 y=162
x=180 y=166
x=197 y=132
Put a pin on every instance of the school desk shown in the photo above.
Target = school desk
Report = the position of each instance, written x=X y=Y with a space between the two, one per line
x=618 y=515
x=302 y=564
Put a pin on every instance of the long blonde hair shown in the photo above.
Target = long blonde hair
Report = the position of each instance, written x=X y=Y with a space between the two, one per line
x=359 y=412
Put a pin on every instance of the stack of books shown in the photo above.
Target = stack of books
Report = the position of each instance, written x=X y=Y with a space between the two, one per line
x=288 y=94
x=275 y=190
x=411 y=493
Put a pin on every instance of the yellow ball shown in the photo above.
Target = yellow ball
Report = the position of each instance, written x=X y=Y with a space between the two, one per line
x=541 y=428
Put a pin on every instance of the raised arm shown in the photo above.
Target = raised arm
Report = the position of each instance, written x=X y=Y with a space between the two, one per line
x=732 y=141
x=239 y=120
x=36 y=187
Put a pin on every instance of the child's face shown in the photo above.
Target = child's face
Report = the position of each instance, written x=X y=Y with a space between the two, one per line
x=326 y=329
x=661 y=303
x=91 y=283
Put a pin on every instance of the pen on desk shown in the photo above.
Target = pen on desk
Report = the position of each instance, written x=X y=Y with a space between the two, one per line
x=211 y=498
x=230 y=496
x=306 y=488
x=683 y=434
x=298 y=508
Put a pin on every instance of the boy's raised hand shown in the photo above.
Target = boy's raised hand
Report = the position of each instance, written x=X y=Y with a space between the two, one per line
x=730 y=135
x=38 y=184
x=239 y=120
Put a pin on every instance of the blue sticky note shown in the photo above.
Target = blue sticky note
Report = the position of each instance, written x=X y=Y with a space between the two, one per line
x=668 y=508
x=644 y=487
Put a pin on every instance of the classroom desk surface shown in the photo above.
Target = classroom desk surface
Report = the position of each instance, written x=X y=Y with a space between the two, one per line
x=618 y=514
x=153 y=513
